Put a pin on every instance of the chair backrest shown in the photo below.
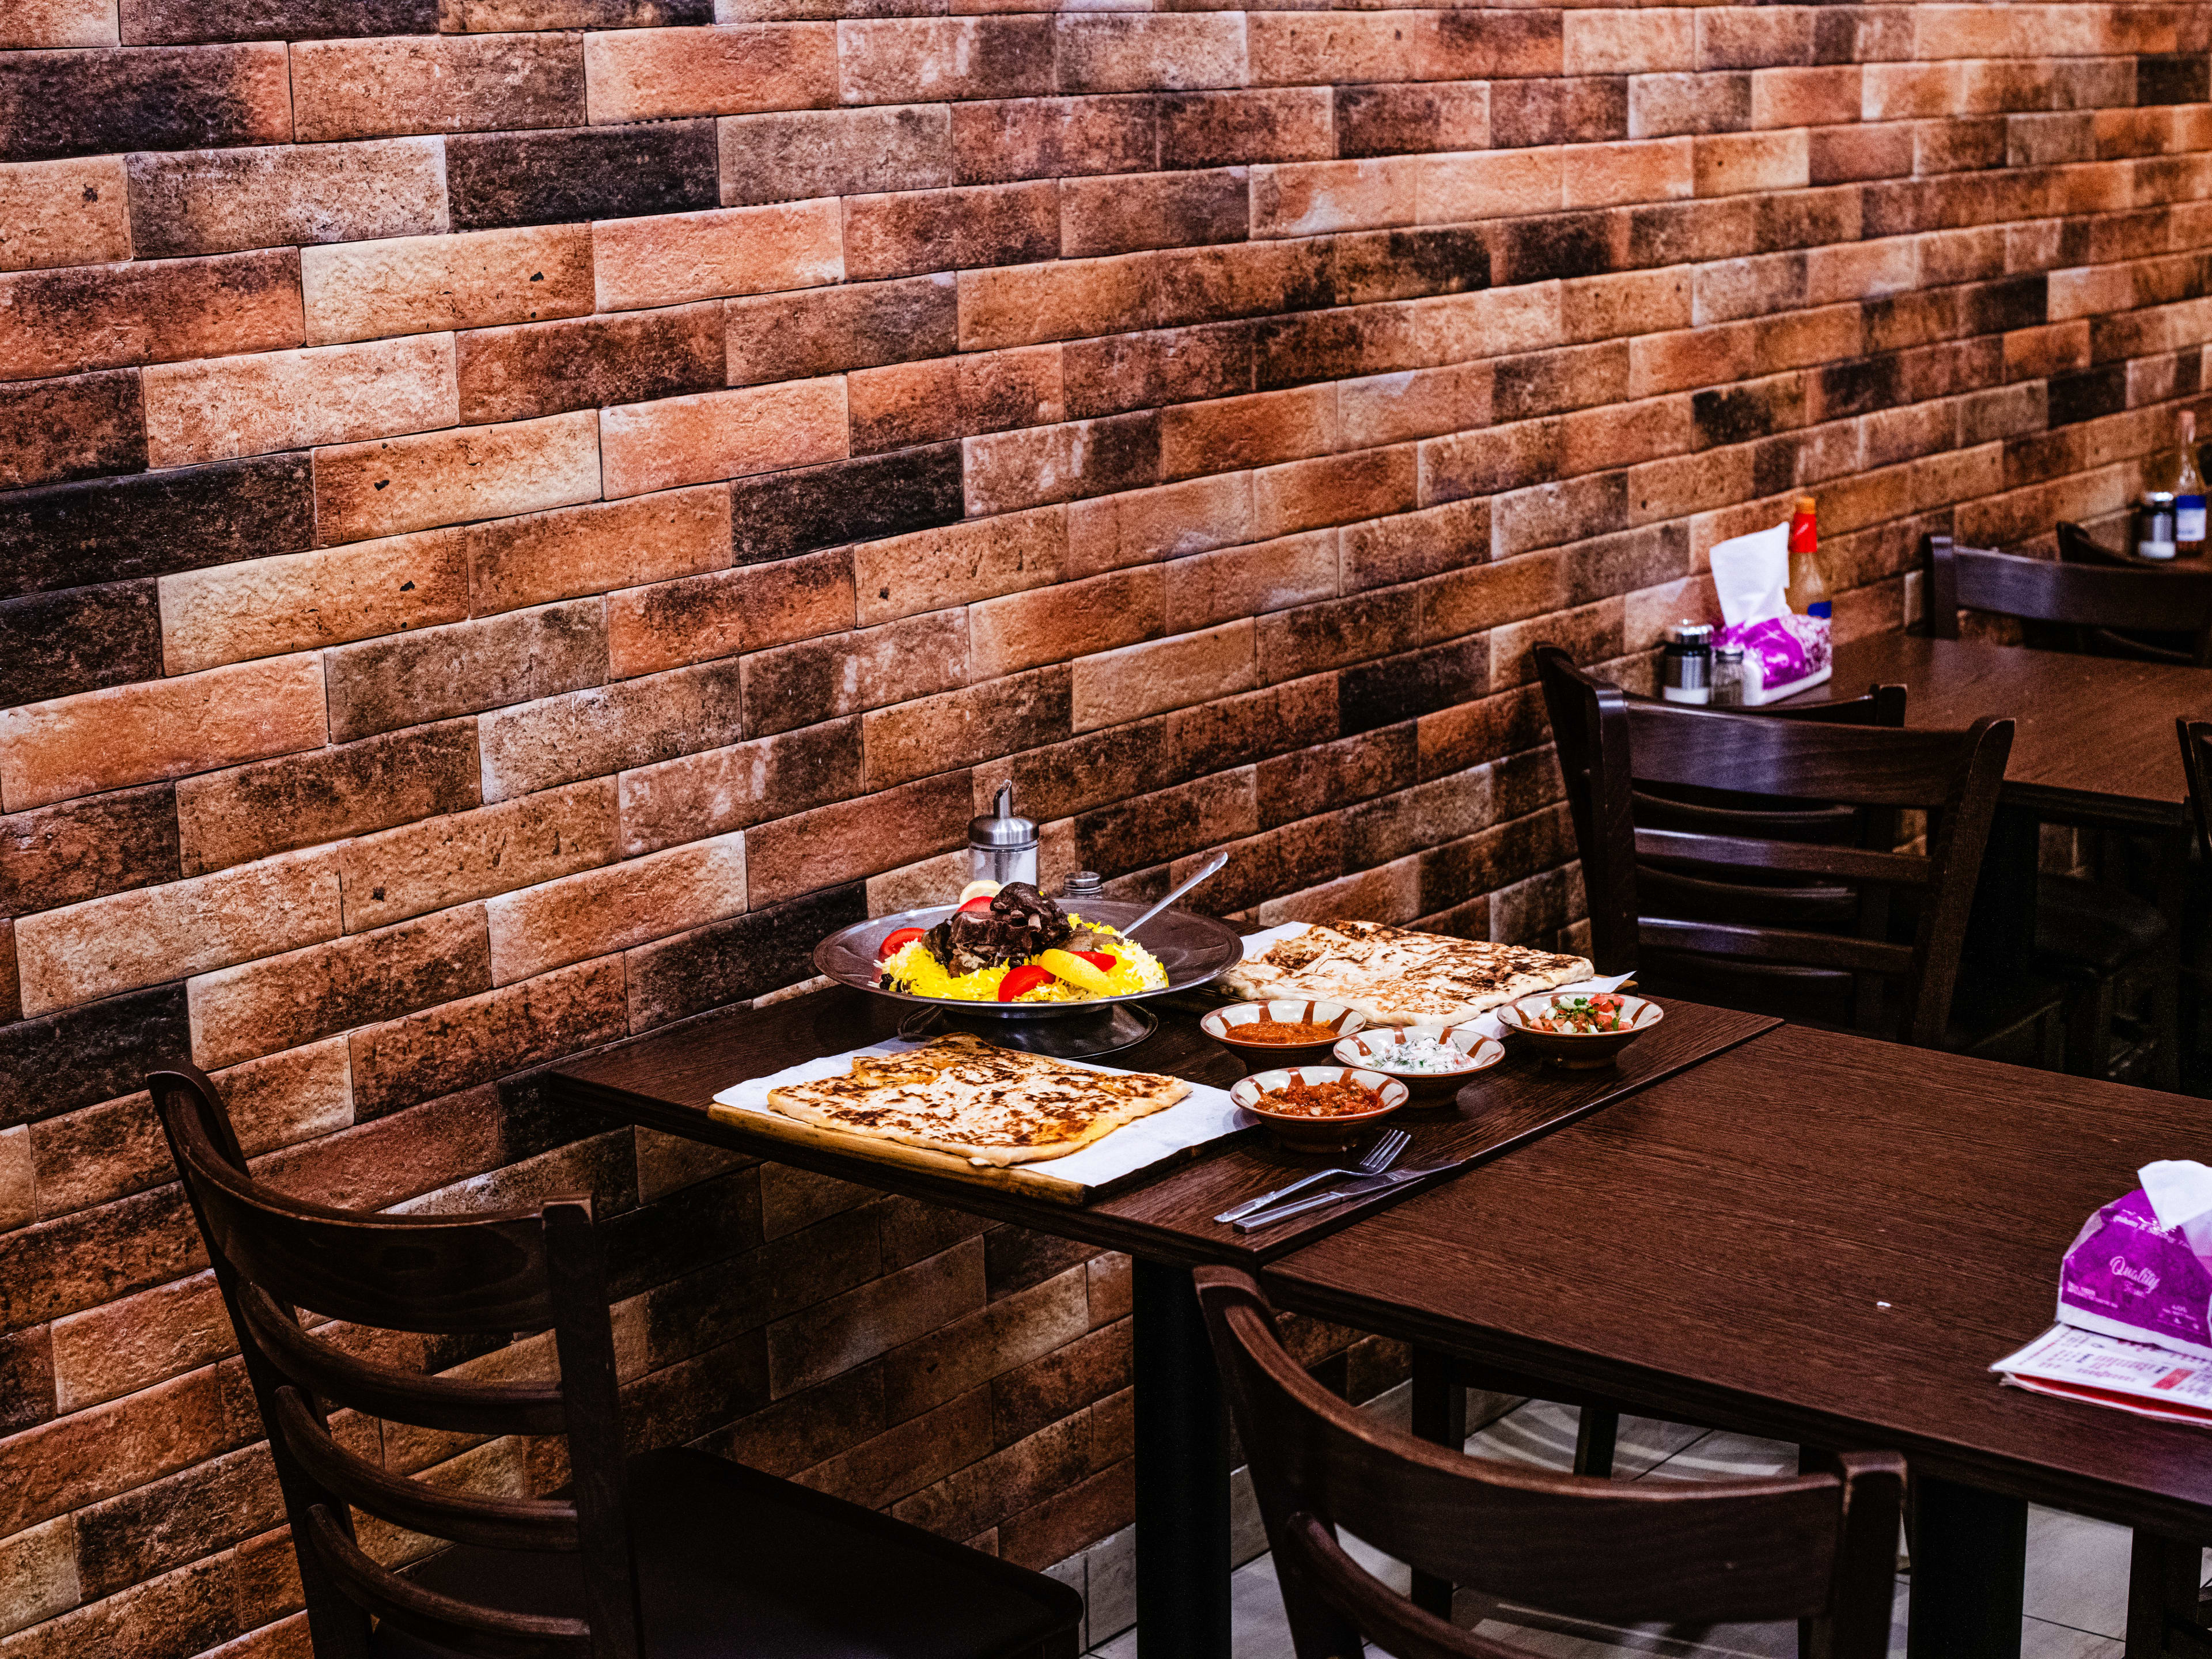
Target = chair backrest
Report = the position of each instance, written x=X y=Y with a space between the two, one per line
x=1796 y=893
x=1817 y=1547
x=2197 y=764
x=493 y=1275
x=2098 y=598
x=2077 y=546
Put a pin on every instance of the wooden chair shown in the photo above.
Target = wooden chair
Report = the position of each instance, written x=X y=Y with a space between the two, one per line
x=2096 y=935
x=1792 y=907
x=665 y=1555
x=2102 y=601
x=1820 y=1547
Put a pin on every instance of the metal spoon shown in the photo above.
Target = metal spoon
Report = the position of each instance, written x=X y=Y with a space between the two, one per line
x=1211 y=867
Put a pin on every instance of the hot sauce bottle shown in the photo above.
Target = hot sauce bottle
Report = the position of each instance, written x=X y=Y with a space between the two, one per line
x=1807 y=593
x=2188 y=493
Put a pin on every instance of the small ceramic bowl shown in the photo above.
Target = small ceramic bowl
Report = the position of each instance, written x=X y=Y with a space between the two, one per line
x=1316 y=1135
x=1577 y=1052
x=1221 y=1025
x=1373 y=1047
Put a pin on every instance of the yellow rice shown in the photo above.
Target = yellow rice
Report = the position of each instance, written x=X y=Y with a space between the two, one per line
x=914 y=970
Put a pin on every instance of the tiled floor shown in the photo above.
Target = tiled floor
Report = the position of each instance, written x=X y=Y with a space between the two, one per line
x=2077 y=1569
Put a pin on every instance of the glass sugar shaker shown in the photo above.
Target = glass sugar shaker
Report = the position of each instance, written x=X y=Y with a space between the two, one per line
x=1686 y=664
x=1728 y=671
x=1002 y=846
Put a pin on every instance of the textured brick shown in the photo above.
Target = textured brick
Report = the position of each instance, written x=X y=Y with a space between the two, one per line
x=158 y=22
x=696 y=796
x=543 y=368
x=673 y=258
x=480 y=472
x=58 y=322
x=449 y=860
x=213 y=410
x=63 y=213
x=908 y=404
x=1170 y=673
x=55 y=431
x=419 y=284
x=821 y=679
x=961 y=562
x=800 y=153
x=1053 y=138
x=589 y=550
x=721 y=435
x=614 y=907
x=500 y=179
x=697 y=619
x=784 y=337
x=224 y=201
x=154 y=933
x=54 y=645
x=1167 y=210
x=137 y=733
x=92 y=103
x=907 y=232
x=650 y=75
x=86 y=849
x=833 y=845
x=851 y=501
x=384 y=684
x=411 y=82
x=957 y=728
x=730 y=961
x=61 y=23
x=326 y=795
x=591 y=733
x=1070 y=620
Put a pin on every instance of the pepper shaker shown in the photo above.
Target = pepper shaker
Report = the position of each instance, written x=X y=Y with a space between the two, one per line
x=1002 y=846
x=1686 y=666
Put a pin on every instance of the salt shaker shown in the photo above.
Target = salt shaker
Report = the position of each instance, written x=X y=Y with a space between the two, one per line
x=1730 y=677
x=2155 y=526
x=1685 y=665
x=1002 y=847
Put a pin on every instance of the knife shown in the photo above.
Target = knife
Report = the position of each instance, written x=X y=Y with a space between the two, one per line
x=1364 y=1185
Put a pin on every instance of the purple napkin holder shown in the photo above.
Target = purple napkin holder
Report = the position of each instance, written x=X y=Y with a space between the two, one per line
x=2128 y=1277
x=1785 y=654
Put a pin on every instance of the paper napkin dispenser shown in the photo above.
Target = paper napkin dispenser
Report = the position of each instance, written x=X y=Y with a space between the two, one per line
x=2141 y=1268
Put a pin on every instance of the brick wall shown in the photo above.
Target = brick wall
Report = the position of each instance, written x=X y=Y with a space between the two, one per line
x=520 y=515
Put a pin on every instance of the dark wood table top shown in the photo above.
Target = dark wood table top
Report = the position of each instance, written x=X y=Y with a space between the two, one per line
x=2095 y=734
x=667 y=1081
x=1815 y=1237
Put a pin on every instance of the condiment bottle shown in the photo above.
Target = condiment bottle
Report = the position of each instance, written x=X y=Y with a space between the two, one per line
x=2188 y=494
x=1728 y=676
x=1686 y=664
x=1002 y=847
x=1083 y=884
x=1808 y=592
x=2155 y=526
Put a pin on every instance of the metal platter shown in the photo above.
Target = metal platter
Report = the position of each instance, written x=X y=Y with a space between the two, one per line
x=1193 y=949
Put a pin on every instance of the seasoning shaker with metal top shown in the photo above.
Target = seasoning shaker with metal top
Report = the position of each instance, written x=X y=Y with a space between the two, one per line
x=1730 y=677
x=2155 y=526
x=1686 y=664
x=1002 y=846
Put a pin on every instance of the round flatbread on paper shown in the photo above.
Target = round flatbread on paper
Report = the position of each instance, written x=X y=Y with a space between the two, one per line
x=1396 y=977
x=959 y=1095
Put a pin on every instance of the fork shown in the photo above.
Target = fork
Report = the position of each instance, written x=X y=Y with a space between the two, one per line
x=1358 y=1188
x=1386 y=1151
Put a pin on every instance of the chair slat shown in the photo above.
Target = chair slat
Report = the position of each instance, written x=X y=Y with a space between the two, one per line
x=1780 y=945
x=2102 y=595
x=460 y=1517
x=1843 y=863
x=457 y=1404
x=435 y=1618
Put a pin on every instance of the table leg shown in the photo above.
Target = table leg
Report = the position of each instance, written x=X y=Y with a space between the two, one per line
x=1440 y=1417
x=1969 y=1570
x=1182 y=1473
x=2162 y=1592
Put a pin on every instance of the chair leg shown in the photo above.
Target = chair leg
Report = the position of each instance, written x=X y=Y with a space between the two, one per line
x=2089 y=1028
x=1595 y=1435
x=2166 y=1020
x=1439 y=1417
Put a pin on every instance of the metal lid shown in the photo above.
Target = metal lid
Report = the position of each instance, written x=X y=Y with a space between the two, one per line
x=1728 y=653
x=2158 y=498
x=1002 y=828
x=1690 y=633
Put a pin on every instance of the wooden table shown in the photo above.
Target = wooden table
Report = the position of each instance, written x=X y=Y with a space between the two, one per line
x=2094 y=735
x=666 y=1081
x=1821 y=1238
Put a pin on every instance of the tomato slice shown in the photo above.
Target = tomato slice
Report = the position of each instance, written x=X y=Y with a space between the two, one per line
x=897 y=940
x=1027 y=977
x=980 y=902
x=1101 y=960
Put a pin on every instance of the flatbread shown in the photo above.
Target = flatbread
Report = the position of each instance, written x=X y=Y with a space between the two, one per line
x=959 y=1095
x=1396 y=977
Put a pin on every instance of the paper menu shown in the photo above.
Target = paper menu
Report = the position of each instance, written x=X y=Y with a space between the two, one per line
x=2138 y=1377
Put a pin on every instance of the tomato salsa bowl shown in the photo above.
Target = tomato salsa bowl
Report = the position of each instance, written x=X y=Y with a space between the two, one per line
x=1579 y=1029
x=1276 y=1099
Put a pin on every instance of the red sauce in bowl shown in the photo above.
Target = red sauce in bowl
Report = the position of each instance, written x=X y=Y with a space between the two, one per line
x=1282 y=1031
x=1338 y=1097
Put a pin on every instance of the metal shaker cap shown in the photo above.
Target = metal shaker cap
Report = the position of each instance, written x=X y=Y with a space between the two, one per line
x=1690 y=633
x=1002 y=827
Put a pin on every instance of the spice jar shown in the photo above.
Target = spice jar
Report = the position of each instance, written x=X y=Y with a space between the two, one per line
x=1729 y=687
x=1686 y=664
x=1002 y=847
x=2155 y=526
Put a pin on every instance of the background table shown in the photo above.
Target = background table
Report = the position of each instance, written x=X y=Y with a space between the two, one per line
x=666 y=1082
x=1821 y=1238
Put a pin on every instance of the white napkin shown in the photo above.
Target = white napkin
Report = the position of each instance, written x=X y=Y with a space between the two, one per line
x=1751 y=574
x=1204 y=1115
x=2180 y=1195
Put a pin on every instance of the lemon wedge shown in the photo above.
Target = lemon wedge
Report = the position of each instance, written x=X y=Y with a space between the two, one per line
x=1063 y=964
